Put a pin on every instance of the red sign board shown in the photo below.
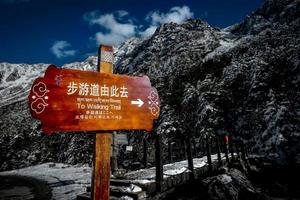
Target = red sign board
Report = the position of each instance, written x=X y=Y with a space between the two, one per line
x=74 y=100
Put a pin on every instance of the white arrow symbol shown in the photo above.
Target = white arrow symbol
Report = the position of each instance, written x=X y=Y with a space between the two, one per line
x=139 y=102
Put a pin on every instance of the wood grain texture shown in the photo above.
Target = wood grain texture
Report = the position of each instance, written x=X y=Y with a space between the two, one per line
x=52 y=102
x=101 y=168
x=102 y=146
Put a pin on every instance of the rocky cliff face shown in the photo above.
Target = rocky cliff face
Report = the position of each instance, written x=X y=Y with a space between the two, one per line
x=242 y=81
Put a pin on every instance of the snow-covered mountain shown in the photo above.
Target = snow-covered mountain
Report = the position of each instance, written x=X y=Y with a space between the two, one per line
x=243 y=81
x=16 y=79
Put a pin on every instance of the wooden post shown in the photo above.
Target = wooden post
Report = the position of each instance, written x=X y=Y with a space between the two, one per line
x=245 y=147
x=226 y=148
x=190 y=157
x=145 y=147
x=185 y=151
x=212 y=147
x=237 y=149
x=200 y=148
x=158 y=163
x=226 y=152
x=170 y=150
x=218 y=150
x=208 y=154
x=195 y=148
x=244 y=154
x=102 y=141
x=249 y=148
x=204 y=147
x=231 y=149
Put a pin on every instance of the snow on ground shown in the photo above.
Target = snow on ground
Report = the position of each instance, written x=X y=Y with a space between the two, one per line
x=67 y=181
x=143 y=175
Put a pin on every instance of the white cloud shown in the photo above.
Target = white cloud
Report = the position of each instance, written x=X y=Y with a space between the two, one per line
x=59 y=49
x=119 y=26
x=176 y=14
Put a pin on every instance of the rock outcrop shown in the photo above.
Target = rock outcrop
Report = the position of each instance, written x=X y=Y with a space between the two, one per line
x=233 y=185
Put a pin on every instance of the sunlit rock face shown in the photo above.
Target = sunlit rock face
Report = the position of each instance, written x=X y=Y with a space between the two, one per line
x=242 y=80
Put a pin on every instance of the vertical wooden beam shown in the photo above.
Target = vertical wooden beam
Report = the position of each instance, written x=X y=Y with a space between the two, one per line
x=212 y=146
x=203 y=147
x=200 y=149
x=190 y=157
x=226 y=148
x=249 y=147
x=237 y=148
x=195 y=148
x=145 y=147
x=244 y=154
x=158 y=163
x=102 y=141
x=231 y=149
x=218 y=150
x=208 y=154
x=184 y=151
x=170 y=150
x=246 y=149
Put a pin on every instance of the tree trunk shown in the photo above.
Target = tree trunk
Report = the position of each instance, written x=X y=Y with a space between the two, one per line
x=170 y=151
x=145 y=153
x=231 y=150
x=190 y=157
x=195 y=149
x=226 y=151
x=158 y=163
x=218 y=151
x=208 y=154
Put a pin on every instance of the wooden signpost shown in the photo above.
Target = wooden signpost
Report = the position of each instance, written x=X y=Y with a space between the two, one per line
x=102 y=142
x=74 y=100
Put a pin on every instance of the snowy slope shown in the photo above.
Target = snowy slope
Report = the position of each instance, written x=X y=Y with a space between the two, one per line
x=16 y=81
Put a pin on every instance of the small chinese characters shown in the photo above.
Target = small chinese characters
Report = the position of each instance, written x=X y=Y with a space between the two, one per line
x=86 y=89
x=95 y=114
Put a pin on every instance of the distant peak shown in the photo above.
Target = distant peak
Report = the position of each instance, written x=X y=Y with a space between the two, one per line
x=271 y=14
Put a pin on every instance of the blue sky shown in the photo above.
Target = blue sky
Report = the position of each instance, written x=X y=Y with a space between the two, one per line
x=63 y=31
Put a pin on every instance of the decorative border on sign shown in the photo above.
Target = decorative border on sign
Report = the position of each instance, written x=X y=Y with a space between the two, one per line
x=153 y=103
x=40 y=98
x=58 y=79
